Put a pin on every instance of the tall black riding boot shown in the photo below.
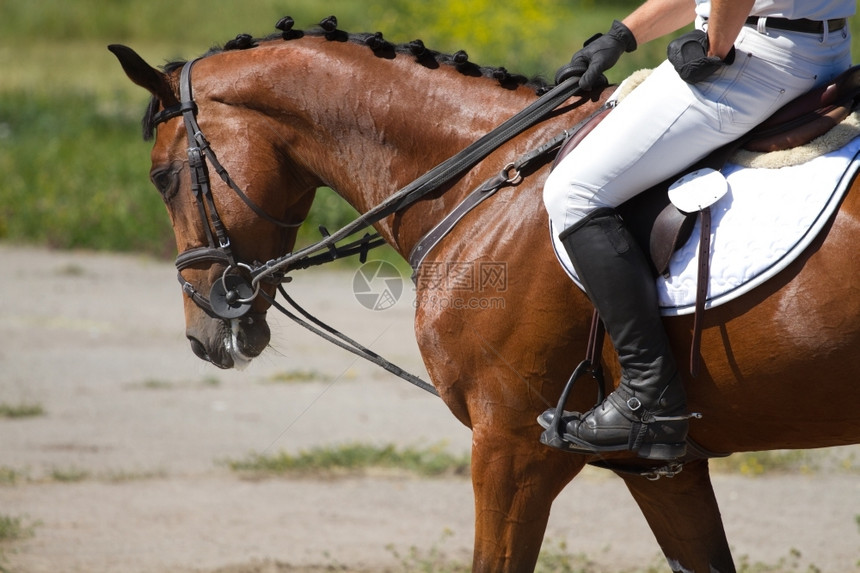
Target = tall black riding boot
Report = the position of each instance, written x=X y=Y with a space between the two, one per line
x=647 y=413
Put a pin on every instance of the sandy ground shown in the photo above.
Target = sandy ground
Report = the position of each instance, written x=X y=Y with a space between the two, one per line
x=98 y=342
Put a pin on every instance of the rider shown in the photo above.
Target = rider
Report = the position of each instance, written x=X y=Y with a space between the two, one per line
x=743 y=60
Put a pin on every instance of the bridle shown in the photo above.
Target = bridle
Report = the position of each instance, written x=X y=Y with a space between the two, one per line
x=231 y=295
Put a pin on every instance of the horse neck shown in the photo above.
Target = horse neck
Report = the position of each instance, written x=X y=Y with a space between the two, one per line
x=366 y=126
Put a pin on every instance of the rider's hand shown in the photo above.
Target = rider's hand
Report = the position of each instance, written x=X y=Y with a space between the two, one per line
x=599 y=53
x=689 y=55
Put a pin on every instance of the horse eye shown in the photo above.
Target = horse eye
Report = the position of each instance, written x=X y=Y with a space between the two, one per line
x=165 y=180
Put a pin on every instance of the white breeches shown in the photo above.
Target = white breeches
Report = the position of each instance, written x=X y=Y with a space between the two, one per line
x=665 y=124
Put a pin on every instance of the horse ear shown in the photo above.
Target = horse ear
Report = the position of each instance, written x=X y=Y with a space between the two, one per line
x=142 y=73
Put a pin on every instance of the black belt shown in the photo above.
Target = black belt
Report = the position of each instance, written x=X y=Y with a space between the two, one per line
x=802 y=25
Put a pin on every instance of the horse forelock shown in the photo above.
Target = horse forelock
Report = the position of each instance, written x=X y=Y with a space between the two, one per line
x=376 y=43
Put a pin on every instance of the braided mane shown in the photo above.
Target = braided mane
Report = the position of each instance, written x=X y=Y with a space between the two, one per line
x=381 y=48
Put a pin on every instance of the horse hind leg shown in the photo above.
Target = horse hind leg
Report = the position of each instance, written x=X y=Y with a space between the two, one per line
x=515 y=482
x=683 y=514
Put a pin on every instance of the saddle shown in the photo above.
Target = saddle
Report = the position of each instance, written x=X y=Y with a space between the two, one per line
x=661 y=228
x=808 y=116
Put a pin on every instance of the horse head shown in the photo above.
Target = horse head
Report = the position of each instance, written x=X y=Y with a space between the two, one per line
x=222 y=225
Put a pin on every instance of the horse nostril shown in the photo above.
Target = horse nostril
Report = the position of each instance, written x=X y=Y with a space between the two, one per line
x=254 y=336
x=198 y=349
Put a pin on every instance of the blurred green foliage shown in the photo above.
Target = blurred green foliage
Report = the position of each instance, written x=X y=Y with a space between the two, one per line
x=73 y=168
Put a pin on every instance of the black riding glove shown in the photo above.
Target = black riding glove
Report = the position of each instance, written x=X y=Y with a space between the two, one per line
x=689 y=55
x=599 y=53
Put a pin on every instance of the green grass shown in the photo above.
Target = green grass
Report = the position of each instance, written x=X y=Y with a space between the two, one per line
x=14 y=528
x=69 y=475
x=124 y=476
x=791 y=563
x=74 y=176
x=74 y=167
x=753 y=464
x=75 y=170
x=294 y=376
x=555 y=557
x=354 y=459
x=154 y=384
x=207 y=382
x=10 y=476
x=21 y=410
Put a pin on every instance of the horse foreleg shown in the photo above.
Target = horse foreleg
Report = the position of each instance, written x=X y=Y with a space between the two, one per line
x=683 y=514
x=515 y=482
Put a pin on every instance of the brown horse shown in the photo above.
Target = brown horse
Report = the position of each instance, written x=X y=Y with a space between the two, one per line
x=779 y=367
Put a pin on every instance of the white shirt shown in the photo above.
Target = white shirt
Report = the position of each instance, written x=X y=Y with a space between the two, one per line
x=793 y=9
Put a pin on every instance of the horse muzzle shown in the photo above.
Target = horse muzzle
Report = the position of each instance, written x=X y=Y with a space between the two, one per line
x=229 y=343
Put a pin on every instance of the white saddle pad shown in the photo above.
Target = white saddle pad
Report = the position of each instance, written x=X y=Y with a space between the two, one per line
x=767 y=218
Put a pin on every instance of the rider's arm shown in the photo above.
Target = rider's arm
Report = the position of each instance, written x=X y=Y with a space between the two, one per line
x=656 y=18
x=725 y=23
